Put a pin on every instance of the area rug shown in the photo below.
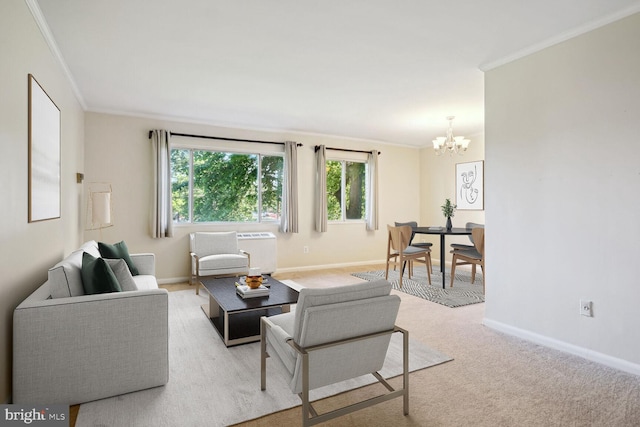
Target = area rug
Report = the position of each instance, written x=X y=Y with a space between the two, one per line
x=462 y=293
x=210 y=384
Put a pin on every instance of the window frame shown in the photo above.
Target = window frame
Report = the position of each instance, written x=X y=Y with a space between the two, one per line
x=343 y=179
x=223 y=148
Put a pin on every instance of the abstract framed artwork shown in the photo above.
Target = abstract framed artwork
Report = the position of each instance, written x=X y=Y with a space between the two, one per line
x=44 y=154
x=470 y=185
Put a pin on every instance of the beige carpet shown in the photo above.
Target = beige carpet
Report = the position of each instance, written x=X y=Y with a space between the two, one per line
x=211 y=385
x=495 y=380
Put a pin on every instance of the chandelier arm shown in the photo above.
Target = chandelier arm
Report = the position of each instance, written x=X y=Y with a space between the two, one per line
x=449 y=143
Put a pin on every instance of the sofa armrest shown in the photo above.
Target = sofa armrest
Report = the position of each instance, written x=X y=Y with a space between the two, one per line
x=146 y=263
x=78 y=349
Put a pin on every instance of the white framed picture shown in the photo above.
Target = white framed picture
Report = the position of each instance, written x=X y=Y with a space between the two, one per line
x=44 y=154
x=470 y=186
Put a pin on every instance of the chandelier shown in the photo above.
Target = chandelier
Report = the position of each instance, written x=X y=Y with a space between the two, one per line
x=450 y=144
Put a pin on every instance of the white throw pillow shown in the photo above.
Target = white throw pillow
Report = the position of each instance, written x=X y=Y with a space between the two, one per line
x=91 y=247
x=65 y=278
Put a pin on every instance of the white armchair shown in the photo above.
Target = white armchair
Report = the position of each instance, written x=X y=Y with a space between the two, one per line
x=335 y=334
x=216 y=254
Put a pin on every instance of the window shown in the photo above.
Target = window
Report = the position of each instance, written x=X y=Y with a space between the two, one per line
x=216 y=186
x=346 y=190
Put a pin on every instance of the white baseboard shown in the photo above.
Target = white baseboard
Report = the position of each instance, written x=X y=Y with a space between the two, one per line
x=348 y=264
x=594 y=356
x=328 y=266
x=170 y=280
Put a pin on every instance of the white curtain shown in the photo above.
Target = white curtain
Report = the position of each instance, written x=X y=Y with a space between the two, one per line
x=162 y=222
x=372 y=191
x=321 y=189
x=289 y=220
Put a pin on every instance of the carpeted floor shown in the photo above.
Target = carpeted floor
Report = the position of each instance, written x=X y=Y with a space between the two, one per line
x=495 y=379
x=462 y=293
x=212 y=385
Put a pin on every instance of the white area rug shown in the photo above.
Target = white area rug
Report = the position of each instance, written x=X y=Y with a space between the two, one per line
x=212 y=385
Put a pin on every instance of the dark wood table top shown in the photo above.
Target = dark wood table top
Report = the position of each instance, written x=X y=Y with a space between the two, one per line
x=461 y=231
x=223 y=290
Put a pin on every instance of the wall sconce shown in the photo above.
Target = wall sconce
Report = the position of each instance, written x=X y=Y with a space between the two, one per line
x=99 y=207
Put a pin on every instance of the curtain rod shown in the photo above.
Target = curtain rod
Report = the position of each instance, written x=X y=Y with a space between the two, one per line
x=188 y=135
x=345 y=149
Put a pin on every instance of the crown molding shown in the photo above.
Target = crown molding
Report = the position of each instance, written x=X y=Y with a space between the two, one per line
x=281 y=131
x=34 y=8
x=582 y=29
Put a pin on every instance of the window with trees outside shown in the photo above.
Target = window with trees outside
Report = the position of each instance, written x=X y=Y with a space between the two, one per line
x=216 y=186
x=346 y=190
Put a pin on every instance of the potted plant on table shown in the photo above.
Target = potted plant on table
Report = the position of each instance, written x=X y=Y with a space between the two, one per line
x=448 y=210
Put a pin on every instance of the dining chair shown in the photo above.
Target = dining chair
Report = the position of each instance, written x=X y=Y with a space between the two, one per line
x=413 y=235
x=400 y=252
x=471 y=246
x=473 y=257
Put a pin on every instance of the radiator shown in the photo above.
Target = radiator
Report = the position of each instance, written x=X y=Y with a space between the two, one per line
x=263 y=250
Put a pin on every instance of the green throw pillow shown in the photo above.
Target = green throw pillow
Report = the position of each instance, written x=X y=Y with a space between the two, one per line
x=97 y=276
x=118 y=250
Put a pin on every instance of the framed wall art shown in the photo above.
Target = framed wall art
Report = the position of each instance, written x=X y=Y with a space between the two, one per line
x=470 y=185
x=44 y=154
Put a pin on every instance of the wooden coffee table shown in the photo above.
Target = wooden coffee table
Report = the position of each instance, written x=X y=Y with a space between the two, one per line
x=237 y=320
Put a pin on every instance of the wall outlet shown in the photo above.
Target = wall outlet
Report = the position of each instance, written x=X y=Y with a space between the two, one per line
x=586 y=308
x=305 y=249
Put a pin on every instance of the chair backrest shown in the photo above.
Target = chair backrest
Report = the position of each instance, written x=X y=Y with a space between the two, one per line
x=410 y=224
x=473 y=225
x=478 y=239
x=331 y=314
x=310 y=297
x=208 y=243
x=399 y=237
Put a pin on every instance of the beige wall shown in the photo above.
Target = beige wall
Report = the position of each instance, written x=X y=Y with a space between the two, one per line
x=115 y=149
x=563 y=173
x=118 y=151
x=29 y=249
x=437 y=178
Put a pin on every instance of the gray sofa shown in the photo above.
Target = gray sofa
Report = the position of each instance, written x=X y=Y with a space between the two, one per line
x=70 y=348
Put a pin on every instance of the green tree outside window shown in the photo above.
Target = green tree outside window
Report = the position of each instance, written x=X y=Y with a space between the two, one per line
x=346 y=181
x=215 y=186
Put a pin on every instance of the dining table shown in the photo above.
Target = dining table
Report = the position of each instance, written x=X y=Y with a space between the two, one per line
x=443 y=231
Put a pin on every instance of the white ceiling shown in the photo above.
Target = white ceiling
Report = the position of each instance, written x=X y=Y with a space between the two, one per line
x=372 y=69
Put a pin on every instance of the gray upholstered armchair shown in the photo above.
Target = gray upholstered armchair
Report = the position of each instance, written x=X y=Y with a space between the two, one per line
x=333 y=335
x=216 y=254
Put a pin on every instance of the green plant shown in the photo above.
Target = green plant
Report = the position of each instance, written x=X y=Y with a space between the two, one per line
x=448 y=208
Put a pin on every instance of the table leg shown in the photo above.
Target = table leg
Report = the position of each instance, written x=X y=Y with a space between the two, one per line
x=442 y=268
x=214 y=308
x=226 y=328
